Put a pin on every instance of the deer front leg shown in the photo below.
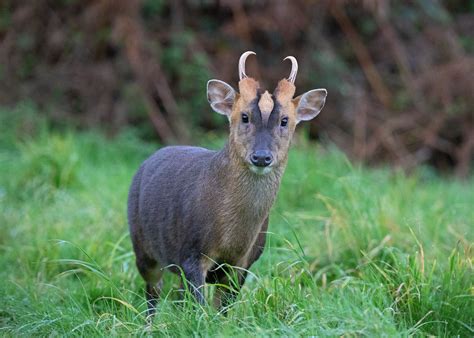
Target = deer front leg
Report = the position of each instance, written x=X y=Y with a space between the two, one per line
x=226 y=295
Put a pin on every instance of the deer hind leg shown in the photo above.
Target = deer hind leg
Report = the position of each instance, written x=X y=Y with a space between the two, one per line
x=195 y=278
x=152 y=273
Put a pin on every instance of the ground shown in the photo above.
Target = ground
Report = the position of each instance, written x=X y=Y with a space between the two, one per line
x=351 y=250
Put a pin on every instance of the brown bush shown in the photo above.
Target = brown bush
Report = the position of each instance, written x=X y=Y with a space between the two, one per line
x=399 y=74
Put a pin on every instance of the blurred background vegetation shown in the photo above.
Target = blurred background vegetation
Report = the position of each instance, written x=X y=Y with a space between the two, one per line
x=399 y=73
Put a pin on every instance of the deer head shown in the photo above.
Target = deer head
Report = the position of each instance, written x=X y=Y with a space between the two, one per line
x=262 y=124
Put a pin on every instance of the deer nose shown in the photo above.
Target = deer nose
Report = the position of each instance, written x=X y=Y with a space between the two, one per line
x=261 y=158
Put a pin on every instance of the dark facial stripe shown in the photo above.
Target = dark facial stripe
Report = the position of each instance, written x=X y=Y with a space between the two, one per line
x=274 y=118
x=256 y=115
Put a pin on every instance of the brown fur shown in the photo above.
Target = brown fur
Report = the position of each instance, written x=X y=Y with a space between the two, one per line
x=248 y=89
x=285 y=91
x=266 y=105
x=243 y=210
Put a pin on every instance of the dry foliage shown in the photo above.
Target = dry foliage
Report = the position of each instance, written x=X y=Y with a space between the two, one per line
x=399 y=74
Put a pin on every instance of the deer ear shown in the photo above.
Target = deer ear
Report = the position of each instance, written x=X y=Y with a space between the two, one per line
x=221 y=96
x=309 y=104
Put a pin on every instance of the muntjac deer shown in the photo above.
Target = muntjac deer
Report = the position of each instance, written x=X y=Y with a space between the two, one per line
x=203 y=210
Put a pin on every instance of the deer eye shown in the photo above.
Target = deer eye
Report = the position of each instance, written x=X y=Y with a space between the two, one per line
x=245 y=118
x=284 y=121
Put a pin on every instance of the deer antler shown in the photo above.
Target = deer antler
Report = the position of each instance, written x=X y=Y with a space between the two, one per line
x=242 y=59
x=294 y=68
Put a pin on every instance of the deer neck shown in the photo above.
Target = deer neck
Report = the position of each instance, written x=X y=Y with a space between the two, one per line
x=246 y=193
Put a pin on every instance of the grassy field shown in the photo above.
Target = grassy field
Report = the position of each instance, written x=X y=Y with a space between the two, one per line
x=351 y=250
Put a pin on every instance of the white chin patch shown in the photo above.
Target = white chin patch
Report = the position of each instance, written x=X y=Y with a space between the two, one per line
x=260 y=170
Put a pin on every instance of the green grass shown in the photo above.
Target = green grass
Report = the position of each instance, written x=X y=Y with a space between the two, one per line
x=351 y=250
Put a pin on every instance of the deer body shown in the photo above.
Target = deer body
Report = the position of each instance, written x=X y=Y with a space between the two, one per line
x=198 y=209
x=189 y=210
